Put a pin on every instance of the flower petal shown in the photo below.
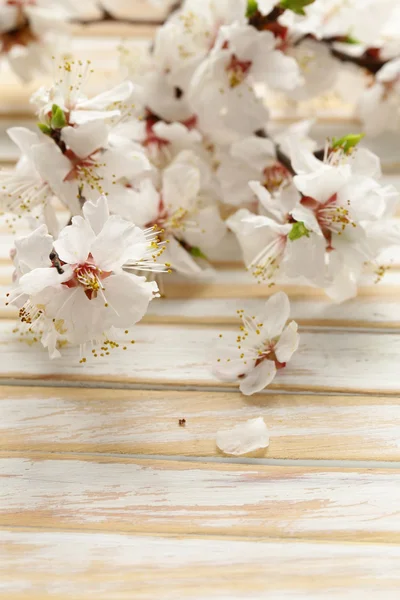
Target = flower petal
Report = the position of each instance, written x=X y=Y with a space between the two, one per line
x=288 y=343
x=118 y=242
x=74 y=241
x=128 y=297
x=274 y=315
x=37 y=280
x=85 y=139
x=34 y=249
x=96 y=213
x=243 y=438
x=258 y=378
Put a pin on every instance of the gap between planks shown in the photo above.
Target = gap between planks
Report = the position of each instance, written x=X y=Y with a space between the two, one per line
x=119 y=494
x=301 y=427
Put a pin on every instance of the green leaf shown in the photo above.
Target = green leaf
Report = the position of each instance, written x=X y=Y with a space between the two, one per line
x=197 y=253
x=44 y=128
x=297 y=6
x=58 y=120
x=252 y=8
x=349 y=39
x=347 y=142
x=298 y=230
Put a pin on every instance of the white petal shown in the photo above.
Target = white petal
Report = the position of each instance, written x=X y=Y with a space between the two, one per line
x=23 y=138
x=181 y=184
x=118 y=242
x=96 y=213
x=258 y=378
x=303 y=160
x=74 y=242
x=288 y=343
x=128 y=297
x=102 y=101
x=85 y=139
x=37 y=280
x=181 y=261
x=243 y=438
x=34 y=249
x=274 y=315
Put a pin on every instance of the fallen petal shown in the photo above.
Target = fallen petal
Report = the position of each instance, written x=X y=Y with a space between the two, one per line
x=243 y=438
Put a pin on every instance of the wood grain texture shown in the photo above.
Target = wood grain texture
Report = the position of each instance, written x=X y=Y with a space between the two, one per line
x=115 y=494
x=340 y=361
x=147 y=422
x=82 y=566
x=373 y=312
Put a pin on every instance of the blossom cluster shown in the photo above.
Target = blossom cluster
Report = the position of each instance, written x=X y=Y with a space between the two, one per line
x=157 y=171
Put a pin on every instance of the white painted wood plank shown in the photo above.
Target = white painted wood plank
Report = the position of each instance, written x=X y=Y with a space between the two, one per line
x=181 y=355
x=177 y=497
x=374 y=312
x=87 y=565
x=301 y=427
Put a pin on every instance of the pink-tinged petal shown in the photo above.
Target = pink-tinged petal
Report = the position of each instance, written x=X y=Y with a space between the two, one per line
x=96 y=213
x=243 y=438
x=35 y=281
x=128 y=297
x=34 y=249
x=258 y=378
x=288 y=343
x=86 y=139
x=274 y=316
x=74 y=242
x=117 y=243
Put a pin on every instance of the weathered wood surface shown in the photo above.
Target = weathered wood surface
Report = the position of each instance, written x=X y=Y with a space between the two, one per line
x=132 y=495
x=331 y=361
x=147 y=422
x=36 y=564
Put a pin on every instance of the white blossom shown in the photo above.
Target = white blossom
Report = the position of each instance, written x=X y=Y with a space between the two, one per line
x=263 y=346
x=78 y=287
x=30 y=32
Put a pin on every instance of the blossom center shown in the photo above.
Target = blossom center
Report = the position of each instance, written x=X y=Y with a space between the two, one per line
x=268 y=353
x=275 y=176
x=332 y=218
x=237 y=70
x=89 y=276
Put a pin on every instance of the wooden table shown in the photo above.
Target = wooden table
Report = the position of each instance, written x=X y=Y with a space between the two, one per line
x=103 y=495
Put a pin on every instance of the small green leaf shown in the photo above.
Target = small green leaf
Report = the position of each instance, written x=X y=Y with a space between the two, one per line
x=347 y=142
x=297 y=6
x=58 y=120
x=44 y=128
x=197 y=253
x=298 y=230
x=252 y=8
x=349 y=39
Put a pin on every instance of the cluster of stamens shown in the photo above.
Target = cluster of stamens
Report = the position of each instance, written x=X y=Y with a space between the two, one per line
x=237 y=70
